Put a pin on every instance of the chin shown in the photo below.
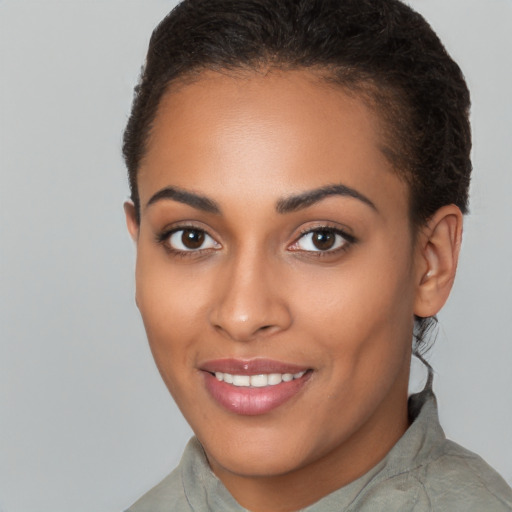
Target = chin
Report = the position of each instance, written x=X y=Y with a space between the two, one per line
x=265 y=451
x=257 y=461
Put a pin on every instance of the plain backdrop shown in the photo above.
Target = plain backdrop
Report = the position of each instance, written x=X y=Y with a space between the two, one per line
x=85 y=422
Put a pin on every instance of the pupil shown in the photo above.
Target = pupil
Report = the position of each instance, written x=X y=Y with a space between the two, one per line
x=192 y=239
x=323 y=240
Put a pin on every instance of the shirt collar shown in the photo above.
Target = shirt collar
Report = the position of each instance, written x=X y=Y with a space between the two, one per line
x=421 y=443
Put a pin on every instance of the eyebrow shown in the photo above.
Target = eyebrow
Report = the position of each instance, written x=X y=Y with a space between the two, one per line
x=285 y=205
x=310 y=197
x=182 y=196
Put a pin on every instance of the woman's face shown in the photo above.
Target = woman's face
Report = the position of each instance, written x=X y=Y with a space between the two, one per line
x=276 y=273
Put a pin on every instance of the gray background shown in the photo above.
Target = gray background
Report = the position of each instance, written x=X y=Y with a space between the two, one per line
x=85 y=423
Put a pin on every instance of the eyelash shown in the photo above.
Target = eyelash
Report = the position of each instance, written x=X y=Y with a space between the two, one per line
x=348 y=241
x=163 y=239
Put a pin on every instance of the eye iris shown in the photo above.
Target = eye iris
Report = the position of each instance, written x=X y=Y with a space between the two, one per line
x=323 y=239
x=192 y=238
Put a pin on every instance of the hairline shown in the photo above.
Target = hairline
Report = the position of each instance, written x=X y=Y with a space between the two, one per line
x=352 y=81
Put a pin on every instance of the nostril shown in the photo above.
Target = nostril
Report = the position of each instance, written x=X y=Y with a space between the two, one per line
x=265 y=329
x=244 y=334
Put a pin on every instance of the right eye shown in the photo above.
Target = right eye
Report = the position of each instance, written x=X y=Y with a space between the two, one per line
x=190 y=240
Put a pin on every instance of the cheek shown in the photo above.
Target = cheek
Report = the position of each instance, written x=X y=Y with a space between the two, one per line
x=360 y=313
x=356 y=295
x=168 y=295
x=170 y=303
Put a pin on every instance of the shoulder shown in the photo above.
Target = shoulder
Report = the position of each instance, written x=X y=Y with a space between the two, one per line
x=456 y=480
x=425 y=472
x=460 y=480
x=167 y=495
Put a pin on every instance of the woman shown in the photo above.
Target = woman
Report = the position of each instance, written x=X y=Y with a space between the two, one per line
x=299 y=171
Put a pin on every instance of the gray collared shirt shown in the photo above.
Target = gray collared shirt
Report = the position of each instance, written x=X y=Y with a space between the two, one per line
x=423 y=472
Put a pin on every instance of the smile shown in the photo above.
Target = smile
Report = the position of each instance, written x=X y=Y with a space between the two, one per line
x=257 y=381
x=253 y=387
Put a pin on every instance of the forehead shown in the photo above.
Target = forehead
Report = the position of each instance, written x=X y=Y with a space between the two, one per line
x=224 y=132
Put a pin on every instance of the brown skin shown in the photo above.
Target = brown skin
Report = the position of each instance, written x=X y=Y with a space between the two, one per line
x=258 y=287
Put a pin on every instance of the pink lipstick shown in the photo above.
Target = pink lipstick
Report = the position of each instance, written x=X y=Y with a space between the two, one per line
x=253 y=387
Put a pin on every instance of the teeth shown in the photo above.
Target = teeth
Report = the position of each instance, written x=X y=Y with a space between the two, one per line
x=257 y=381
x=241 y=380
x=274 y=378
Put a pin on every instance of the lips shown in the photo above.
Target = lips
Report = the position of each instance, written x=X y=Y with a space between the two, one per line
x=253 y=387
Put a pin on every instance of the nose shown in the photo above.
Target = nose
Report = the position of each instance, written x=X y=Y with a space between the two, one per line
x=250 y=302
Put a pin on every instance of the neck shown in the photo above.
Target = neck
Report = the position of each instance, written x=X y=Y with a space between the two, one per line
x=352 y=459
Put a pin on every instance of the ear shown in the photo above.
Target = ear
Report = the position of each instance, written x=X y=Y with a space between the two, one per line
x=131 y=219
x=437 y=256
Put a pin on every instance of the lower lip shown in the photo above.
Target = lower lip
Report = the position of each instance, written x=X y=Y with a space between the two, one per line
x=253 y=401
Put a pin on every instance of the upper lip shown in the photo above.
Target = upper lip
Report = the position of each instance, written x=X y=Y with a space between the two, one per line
x=250 y=366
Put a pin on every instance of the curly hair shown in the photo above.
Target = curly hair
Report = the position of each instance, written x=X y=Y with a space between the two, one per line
x=381 y=49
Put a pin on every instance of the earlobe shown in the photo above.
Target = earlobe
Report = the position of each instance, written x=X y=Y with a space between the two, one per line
x=131 y=219
x=438 y=253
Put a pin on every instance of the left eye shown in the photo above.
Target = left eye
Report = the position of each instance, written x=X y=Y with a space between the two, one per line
x=191 y=240
x=320 y=240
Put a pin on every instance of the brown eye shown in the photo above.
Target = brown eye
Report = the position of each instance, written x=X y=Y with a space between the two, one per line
x=322 y=240
x=191 y=239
